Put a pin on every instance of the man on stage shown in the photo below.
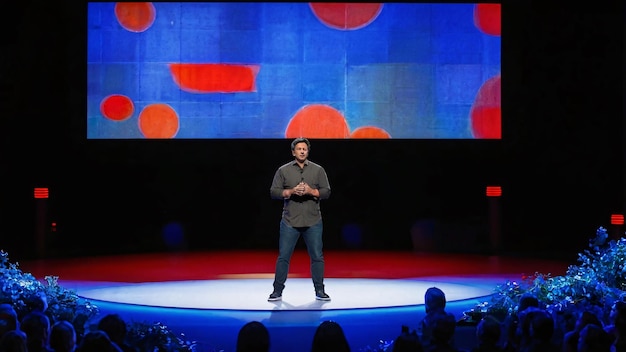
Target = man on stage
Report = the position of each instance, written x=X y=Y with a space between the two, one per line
x=300 y=184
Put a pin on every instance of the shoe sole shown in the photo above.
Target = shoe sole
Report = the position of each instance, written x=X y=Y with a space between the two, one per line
x=322 y=299
x=274 y=299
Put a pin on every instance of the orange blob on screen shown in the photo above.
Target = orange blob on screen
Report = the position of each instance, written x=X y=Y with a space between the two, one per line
x=158 y=121
x=346 y=15
x=215 y=78
x=370 y=132
x=117 y=107
x=488 y=18
x=317 y=121
x=135 y=16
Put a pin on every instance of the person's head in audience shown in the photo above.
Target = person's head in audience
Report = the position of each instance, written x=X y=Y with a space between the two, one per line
x=36 y=325
x=527 y=300
x=40 y=302
x=62 y=336
x=13 y=341
x=253 y=337
x=115 y=327
x=570 y=339
x=523 y=333
x=541 y=326
x=329 y=337
x=593 y=338
x=488 y=331
x=515 y=327
x=443 y=328
x=569 y=318
x=407 y=342
x=435 y=307
x=434 y=299
x=8 y=318
x=97 y=341
x=585 y=318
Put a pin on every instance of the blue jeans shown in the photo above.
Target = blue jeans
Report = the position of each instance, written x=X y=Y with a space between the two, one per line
x=287 y=243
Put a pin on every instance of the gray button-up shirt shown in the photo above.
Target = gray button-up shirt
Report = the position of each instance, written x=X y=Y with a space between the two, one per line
x=300 y=211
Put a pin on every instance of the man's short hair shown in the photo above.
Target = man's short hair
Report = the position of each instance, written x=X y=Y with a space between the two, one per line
x=300 y=140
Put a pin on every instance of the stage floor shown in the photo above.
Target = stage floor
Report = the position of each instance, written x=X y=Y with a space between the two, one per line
x=208 y=296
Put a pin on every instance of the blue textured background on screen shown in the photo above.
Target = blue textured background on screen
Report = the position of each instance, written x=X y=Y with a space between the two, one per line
x=414 y=71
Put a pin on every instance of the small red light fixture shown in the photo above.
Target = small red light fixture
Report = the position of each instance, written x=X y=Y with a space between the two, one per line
x=41 y=192
x=617 y=219
x=494 y=191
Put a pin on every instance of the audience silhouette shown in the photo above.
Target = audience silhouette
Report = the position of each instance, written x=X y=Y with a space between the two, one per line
x=436 y=318
x=593 y=338
x=329 y=337
x=570 y=339
x=442 y=328
x=97 y=341
x=13 y=341
x=407 y=342
x=115 y=327
x=253 y=337
x=8 y=319
x=488 y=334
x=36 y=326
x=434 y=302
x=533 y=328
x=513 y=330
x=538 y=329
x=62 y=336
x=39 y=303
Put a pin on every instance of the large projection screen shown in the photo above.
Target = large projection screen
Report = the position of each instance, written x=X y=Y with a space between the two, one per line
x=268 y=70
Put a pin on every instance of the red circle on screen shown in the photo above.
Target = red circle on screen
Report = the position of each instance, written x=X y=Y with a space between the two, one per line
x=158 y=121
x=488 y=18
x=117 y=107
x=317 y=121
x=346 y=15
x=370 y=132
x=135 y=16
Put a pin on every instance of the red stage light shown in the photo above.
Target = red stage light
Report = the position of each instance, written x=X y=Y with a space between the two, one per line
x=617 y=219
x=494 y=191
x=41 y=192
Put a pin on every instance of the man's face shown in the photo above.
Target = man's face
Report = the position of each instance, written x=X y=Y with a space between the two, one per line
x=301 y=152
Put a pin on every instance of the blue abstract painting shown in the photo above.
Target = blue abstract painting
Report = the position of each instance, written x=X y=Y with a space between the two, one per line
x=266 y=70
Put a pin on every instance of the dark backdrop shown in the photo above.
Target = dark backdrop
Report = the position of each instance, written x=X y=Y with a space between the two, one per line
x=560 y=162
